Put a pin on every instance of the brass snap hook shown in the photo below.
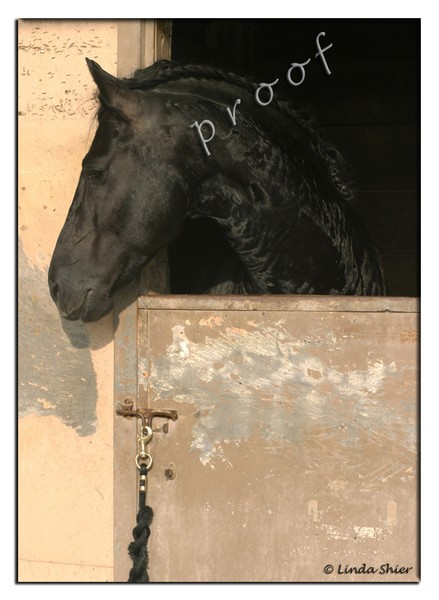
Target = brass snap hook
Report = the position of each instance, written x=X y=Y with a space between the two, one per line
x=144 y=438
x=145 y=435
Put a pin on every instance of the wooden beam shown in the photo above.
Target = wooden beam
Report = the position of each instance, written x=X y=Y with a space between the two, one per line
x=139 y=43
x=156 y=42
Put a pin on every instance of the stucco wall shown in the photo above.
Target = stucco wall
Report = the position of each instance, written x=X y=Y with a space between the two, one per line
x=65 y=372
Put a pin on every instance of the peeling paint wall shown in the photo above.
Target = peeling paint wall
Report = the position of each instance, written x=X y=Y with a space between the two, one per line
x=272 y=374
x=65 y=371
x=56 y=374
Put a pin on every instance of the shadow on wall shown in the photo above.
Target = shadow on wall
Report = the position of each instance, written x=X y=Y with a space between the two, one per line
x=55 y=369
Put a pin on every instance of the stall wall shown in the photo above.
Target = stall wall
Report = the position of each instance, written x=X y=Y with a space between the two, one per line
x=65 y=372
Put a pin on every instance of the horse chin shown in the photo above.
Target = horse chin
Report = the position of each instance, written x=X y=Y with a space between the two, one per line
x=94 y=307
x=88 y=316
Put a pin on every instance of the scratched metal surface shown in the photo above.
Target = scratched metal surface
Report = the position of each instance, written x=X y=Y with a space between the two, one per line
x=295 y=446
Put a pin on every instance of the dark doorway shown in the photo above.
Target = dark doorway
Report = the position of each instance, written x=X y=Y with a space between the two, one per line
x=368 y=108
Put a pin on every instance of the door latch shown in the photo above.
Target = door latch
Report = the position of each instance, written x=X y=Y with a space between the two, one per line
x=147 y=415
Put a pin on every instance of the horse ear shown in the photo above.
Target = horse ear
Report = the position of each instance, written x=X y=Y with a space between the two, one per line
x=111 y=90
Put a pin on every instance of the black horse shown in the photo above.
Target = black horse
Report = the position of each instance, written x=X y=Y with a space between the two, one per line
x=246 y=194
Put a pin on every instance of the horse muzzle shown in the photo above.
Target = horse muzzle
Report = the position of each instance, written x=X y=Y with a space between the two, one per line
x=88 y=301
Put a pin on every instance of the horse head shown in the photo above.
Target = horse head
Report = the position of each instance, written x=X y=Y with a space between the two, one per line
x=262 y=210
x=118 y=218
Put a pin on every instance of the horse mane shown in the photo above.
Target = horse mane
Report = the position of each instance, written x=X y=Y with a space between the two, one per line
x=166 y=71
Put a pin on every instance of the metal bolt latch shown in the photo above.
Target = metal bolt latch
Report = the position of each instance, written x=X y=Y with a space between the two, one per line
x=146 y=432
x=146 y=414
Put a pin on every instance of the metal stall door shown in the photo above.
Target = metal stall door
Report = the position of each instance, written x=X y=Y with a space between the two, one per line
x=294 y=457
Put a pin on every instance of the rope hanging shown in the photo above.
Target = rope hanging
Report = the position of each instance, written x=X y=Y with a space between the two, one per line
x=138 y=548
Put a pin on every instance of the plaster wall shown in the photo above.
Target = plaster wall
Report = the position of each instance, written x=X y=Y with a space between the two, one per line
x=65 y=371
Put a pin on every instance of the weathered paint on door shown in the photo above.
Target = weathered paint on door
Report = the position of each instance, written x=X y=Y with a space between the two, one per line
x=295 y=449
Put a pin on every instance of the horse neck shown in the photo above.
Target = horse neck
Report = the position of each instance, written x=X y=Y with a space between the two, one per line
x=255 y=218
x=256 y=184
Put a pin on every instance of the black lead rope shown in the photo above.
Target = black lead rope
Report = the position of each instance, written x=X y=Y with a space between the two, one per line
x=138 y=548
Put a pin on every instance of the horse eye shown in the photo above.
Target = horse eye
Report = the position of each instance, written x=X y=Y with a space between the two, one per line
x=95 y=174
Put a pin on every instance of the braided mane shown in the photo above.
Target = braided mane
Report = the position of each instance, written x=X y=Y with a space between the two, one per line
x=166 y=71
